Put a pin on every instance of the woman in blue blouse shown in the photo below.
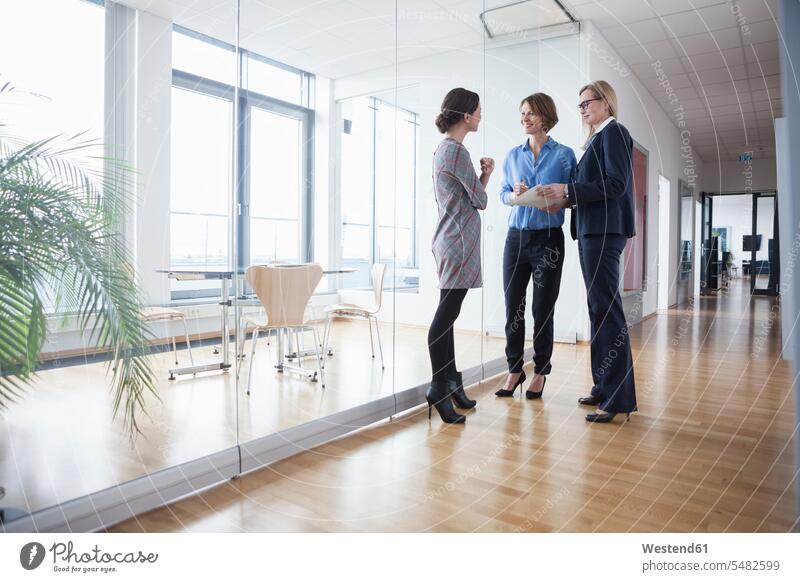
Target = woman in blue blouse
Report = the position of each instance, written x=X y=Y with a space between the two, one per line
x=534 y=247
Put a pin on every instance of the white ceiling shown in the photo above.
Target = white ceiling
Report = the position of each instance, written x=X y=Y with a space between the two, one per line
x=726 y=77
x=333 y=38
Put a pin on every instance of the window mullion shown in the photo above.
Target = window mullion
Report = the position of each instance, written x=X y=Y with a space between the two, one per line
x=374 y=258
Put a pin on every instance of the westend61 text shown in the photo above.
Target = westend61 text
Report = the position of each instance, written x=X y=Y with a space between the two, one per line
x=670 y=549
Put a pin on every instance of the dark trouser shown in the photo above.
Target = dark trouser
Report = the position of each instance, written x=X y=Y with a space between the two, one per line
x=612 y=362
x=441 y=344
x=537 y=255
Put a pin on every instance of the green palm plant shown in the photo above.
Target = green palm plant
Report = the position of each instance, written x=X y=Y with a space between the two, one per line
x=61 y=245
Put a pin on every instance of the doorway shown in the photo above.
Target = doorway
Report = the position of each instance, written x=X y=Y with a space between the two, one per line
x=740 y=239
x=663 y=242
x=764 y=247
x=686 y=238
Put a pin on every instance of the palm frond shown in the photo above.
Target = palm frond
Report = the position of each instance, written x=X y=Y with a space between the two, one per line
x=60 y=240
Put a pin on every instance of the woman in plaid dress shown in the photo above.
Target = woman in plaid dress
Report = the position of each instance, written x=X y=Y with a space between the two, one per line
x=460 y=193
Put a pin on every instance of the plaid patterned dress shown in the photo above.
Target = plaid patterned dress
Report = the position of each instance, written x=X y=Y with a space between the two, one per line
x=457 y=239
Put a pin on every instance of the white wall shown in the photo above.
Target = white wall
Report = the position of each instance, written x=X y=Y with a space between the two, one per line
x=652 y=129
x=151 y=81
x=789 y=238
x=665 y=220
x=325 y=136
x=789 y=142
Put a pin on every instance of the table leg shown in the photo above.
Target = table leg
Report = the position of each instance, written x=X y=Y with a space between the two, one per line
x=224 y=365
x=225 y=326
x=279 y=340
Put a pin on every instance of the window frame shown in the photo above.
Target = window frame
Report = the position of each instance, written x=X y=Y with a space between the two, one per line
x=374 y=105
x=247 y=99
x=305 y=116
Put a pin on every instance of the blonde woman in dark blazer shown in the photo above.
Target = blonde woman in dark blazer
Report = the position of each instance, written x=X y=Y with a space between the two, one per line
x=602 y=201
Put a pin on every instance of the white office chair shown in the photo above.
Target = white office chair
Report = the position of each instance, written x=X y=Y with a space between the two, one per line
x=367 y=312
x=157 y=314
x=284 y=293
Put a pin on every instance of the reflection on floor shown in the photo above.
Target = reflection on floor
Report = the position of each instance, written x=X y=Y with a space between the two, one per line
x=711 y=450
x=59 y=441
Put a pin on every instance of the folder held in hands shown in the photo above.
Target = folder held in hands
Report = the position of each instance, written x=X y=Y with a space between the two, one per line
x=531 y=198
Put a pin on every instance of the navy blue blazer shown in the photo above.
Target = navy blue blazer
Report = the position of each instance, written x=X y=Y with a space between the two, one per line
x=602 y=192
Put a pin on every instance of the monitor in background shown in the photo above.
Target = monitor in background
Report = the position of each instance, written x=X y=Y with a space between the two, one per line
x=751 y=243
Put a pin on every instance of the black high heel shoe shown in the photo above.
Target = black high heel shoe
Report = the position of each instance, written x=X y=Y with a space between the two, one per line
x=590 y=400
x=438 y=395
x=531 y=395
x=457 y=393
x=503 y=393
x=607 y=416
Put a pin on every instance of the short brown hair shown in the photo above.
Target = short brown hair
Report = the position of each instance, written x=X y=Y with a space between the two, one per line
x=542 y=105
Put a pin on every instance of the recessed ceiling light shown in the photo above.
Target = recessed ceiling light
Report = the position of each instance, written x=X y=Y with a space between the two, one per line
x=519 y=18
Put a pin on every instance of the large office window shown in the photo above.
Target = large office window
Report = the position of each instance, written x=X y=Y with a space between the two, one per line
x=200 y=186
x=203 y=57
x=52 y=96
x=378 y=190
x=276 y=183
x=59 y=92
x=275 y=122
x=278 y=81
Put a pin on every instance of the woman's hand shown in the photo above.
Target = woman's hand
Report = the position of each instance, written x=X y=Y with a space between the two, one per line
x=520 y=188
x=487 y=166
x=554 y=193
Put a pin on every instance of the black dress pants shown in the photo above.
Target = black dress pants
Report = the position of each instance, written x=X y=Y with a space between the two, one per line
x=536 y=255
x=612 y=361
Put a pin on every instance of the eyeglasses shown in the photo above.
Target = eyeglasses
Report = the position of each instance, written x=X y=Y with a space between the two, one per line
x=584 y=104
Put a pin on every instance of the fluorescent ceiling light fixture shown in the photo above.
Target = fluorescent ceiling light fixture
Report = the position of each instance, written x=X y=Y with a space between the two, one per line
x=521 y=17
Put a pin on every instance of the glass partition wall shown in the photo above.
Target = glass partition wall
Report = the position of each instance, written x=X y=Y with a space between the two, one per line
x=685 y=238
x=136 y=167
x=439 y=48
x=764 y=258
x=275 y=135
x=519 y=65
x=318 y=182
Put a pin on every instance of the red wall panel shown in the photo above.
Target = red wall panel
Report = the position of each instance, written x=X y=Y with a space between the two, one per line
x=635 y=250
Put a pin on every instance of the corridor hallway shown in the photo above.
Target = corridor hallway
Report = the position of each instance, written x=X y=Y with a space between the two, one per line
x=709 y=451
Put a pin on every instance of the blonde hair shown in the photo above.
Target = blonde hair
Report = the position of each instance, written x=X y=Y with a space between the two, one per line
x=602 y=90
